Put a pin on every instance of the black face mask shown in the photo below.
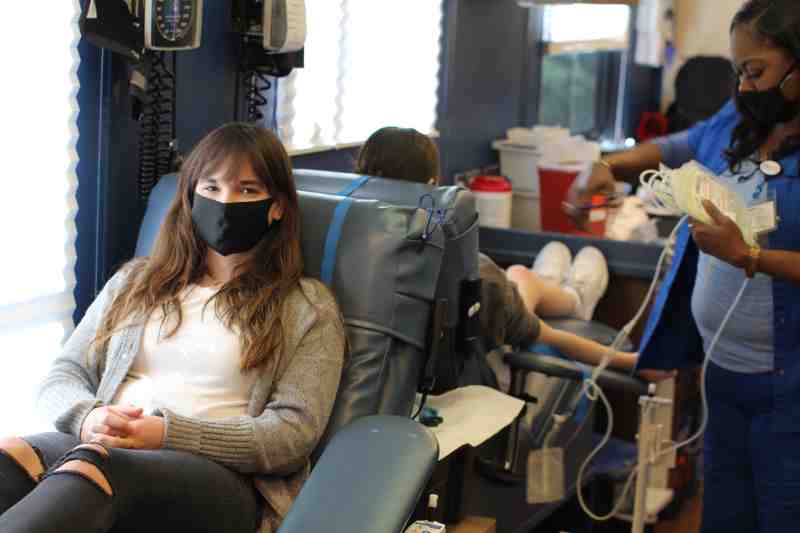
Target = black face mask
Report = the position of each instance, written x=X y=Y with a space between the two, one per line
x=769 y=107
x=232 y=228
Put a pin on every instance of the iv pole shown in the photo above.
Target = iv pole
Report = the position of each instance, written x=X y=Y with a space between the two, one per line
x=651 y=439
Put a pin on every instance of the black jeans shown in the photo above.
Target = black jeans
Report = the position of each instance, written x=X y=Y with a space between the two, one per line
x=153 y=491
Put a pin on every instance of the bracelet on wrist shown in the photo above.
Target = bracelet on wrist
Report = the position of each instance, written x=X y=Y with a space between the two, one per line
x=753 y=255
x=606 y=164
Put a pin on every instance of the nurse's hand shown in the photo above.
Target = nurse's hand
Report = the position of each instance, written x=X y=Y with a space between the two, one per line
x=722 y=239
x=600 y=182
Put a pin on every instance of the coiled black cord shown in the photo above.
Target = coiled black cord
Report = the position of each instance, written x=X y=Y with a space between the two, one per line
x=157 y=127
x=257 y=84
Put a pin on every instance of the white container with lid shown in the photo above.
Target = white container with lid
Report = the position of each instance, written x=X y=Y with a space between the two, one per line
x=520 y=163
x=493 y=197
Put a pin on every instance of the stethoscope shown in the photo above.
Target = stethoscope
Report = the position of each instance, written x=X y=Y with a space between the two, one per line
x=769 y=168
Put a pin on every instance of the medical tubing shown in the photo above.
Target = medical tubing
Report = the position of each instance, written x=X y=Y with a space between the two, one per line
x=593 y=390
x=658 y=185
x=606 y=437
x=703 y=392
x=662 y=193
x=558 y=421
x=591 y=384
x=626 y=330
x=580 y=427
x=676 y=447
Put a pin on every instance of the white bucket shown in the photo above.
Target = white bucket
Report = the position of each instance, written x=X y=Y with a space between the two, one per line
x=520 y=164
x=526 y=212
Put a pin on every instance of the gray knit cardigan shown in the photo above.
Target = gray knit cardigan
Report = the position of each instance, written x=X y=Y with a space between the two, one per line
x=288 y=410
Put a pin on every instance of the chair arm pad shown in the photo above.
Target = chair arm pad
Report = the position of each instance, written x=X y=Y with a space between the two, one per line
x=368 y=479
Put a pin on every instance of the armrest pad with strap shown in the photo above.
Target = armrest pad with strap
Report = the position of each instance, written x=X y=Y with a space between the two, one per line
x=368 y=479
x=544 y=364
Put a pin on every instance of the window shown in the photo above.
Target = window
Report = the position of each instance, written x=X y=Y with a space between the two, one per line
x=583 y=68
x=585 y=27
x=367 y=64
x=38 y=205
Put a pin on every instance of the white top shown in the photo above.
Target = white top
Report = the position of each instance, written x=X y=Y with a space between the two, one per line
x=196 y=372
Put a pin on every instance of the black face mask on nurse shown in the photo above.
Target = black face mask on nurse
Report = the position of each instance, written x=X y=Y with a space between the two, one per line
x=770 y=107
x=235 y=227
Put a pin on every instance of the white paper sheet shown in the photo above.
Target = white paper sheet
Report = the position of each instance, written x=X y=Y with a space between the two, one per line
x=471 y=416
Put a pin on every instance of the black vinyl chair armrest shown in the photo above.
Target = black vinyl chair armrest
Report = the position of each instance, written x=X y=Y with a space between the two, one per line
x=615 y=380
x=562 y=368
x=368 y=479
x=543 y=364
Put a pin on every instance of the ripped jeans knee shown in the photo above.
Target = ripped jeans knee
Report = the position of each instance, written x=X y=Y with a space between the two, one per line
x=25 y=455
x=88 y=461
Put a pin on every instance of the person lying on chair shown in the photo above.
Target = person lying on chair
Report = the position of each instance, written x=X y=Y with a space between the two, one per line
x=557 y=286
x=200 y=380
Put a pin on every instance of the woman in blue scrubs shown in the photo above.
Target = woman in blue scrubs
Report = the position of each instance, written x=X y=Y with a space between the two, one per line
x=752 y=443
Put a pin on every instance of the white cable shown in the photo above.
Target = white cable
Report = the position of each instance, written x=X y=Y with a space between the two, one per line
x=626 y=330
x=593 y=390
x=703 y=393
x=659 y=186
x=638 y=467
x=606 y=437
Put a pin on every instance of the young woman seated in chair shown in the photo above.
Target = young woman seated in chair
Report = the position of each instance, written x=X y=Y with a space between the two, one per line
x=191 y=395
x=557 y=286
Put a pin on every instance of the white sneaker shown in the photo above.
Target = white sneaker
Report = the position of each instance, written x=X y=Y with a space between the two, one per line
x=553 y=262
x=588 y=276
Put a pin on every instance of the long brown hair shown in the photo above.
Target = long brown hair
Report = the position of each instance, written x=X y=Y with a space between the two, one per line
x=399 y=153
x=251 y=303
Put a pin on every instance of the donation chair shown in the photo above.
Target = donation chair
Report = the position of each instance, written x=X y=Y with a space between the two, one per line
x=460 y=361
x=455 y=356
x=382 y=263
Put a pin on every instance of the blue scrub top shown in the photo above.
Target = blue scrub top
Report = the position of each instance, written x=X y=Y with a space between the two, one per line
x=671 y=338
